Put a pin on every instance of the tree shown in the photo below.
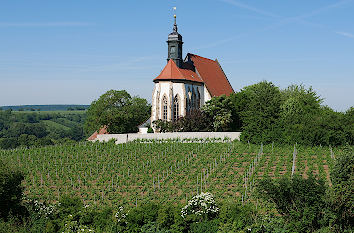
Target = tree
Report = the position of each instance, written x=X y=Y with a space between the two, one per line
x=219 y=109
x=348 y=123
x=194 y=121
x=259 y=109
x=299 y=110
x=117 y=111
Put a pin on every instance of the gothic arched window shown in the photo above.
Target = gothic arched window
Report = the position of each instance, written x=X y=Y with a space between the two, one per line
x=164 y=108
x=198 y=99
x=189 y=100
x=176 y=108
x=194 y=101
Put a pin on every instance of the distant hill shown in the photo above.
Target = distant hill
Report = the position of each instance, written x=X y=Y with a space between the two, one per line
x=55 y=107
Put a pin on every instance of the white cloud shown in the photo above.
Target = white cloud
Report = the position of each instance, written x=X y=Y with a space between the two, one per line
x=346 y=34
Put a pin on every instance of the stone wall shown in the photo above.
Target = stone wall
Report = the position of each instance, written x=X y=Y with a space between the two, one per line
x=123 y=138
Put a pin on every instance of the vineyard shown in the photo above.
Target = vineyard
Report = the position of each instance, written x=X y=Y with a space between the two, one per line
x=136 y=172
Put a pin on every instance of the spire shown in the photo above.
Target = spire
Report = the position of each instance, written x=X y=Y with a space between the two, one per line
x=175 y=43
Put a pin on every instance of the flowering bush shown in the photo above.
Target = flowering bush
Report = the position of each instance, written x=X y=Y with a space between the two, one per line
x=121 y=215
x=42 y=209
x=202 y=205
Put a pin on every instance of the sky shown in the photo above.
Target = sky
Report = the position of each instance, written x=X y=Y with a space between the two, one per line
x=73 y=51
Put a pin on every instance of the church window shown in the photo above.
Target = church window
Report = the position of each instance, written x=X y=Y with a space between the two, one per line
x=164 y=108
x=176 y=108
x=198 y=99
x=194 y=100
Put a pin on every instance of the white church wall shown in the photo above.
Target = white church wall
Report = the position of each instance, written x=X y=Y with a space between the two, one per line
x=169 y=90
x=207 y=95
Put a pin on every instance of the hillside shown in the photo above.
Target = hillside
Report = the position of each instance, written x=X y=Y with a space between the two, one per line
x=24 y=128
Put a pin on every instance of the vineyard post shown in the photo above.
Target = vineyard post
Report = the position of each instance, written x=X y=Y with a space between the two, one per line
x=294 y=157
x=201 y=182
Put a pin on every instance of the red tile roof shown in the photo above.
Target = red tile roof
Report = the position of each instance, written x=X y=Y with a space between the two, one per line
x=208 y=72
x=103 y=130
x=212 y=75
x=172 y=72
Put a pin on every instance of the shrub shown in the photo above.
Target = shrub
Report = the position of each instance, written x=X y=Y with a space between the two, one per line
x=235 y=217
x=11 y=191
x=342 y=198
x=205 y=226
x=142 y=215
x=201 y=207
x=301 y=201
x=69 y=206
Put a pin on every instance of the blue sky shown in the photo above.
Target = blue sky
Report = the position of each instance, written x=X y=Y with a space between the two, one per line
x=71 y=52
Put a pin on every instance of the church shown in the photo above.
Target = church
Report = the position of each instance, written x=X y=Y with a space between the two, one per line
x=185 y=84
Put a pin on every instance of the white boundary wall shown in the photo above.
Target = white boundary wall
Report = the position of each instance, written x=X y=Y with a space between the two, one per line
x=123 y=138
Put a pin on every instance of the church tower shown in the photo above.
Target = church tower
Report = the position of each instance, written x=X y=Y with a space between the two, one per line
x=184 y=85
x=175 y=46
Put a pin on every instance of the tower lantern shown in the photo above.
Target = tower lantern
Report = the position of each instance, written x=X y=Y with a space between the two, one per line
x=175 y=46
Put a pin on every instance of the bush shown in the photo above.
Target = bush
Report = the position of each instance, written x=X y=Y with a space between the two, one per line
x=200 y=207
x=142 y=215
x=11 y=191
x=69 y=206
x=205 y=226
x=301 y=201
x=342 y=198
x=235 y=217
x=195 y=121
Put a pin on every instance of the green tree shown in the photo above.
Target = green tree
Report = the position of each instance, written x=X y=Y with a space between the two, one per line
x=299 y=116
x=219 y=109
x=195 y=121
x=259 y=109
x=118 y=111
x=348 y=123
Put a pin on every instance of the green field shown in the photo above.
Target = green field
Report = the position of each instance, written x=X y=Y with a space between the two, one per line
x=126 y=174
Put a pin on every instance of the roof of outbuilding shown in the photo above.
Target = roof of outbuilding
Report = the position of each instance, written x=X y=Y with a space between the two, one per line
x=102 y=130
